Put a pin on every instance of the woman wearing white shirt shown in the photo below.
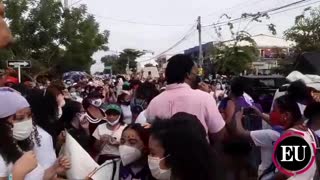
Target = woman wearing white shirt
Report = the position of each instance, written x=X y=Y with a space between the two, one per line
x=16 y=128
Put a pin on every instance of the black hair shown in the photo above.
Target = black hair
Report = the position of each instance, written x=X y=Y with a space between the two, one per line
x=69 y=112
x=237 y=87
x=287 y=104
x=143 y=133
x=312 y=112
x=178 y=68
x=188 y=152
x=121 y=98
x=44 y=107
x=299 y=91
x=147 y=91
x=134 y=82
x=10 y=149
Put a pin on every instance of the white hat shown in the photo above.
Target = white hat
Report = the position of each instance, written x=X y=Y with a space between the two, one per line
x=11 y=102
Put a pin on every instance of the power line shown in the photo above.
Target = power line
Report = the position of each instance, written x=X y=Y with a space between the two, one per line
x=287 y=10
x=141 y=23
x=185 y=37
x=219 y=24
x=295 y=8
x=234 y=7
x=77 y=2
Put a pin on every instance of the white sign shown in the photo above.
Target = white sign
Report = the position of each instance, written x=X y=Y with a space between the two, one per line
x=22 y=64
x=83 y=166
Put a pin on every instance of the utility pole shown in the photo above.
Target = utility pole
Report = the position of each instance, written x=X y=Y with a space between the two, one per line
x=66 y=4
x=200 y=43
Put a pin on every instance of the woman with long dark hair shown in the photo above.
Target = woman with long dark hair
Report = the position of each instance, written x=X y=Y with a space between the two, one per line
x=75 y=121
x=134 y=153
x=47 y=107
x=144 y=94
x=18 y=135
x=179 y=149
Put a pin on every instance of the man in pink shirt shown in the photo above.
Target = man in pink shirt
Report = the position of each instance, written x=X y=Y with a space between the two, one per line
x=181 y=75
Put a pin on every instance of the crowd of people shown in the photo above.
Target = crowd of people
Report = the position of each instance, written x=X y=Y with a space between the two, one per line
x=177 y=127
x=183 y=129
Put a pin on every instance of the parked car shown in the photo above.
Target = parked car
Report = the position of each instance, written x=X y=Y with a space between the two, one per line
x=263 y=88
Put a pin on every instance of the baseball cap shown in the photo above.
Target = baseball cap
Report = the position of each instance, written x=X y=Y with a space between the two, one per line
x=114 y=107
x=11 y=102
x=11 y=79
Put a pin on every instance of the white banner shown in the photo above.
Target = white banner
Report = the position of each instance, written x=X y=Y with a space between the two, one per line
x=83 y=166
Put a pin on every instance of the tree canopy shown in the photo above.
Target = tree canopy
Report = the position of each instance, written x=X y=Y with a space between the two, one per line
x=233 y=58
x=306 y=31
x=119 y=62
x=53 y=38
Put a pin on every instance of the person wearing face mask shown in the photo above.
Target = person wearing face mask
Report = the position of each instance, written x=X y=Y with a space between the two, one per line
x=181 y=74
x=171 y=155
x=18 y=136
x=75 y=122
x=125 y=100
x=108 y=134
x=285 y=116
x=134 y=153
x=94 y=114
x=47 y=108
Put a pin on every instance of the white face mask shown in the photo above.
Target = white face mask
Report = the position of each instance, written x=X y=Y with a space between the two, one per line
x=114 y=122
x=129 y=154
x=156 y=171
x=96 y=102
x=73 y=94
x=22 y=130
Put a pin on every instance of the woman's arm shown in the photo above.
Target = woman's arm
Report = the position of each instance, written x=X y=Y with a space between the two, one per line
x=99 y=144
x=264 y=116
x=240 y=131
x=229 y=111
x=60 y=167
x=24 y=165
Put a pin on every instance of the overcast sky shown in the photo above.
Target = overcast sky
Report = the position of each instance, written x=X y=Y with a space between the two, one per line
x=112 y=15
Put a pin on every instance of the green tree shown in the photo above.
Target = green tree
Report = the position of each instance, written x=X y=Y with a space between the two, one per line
x=55 y=39
x=119 y=63
x=110 y=60
x=234 y=58
x=306 y=31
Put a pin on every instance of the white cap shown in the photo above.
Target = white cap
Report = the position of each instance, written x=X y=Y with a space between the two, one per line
x=11 y=102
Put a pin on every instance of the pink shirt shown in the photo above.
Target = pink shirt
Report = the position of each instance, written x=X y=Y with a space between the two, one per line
x=181 y=98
